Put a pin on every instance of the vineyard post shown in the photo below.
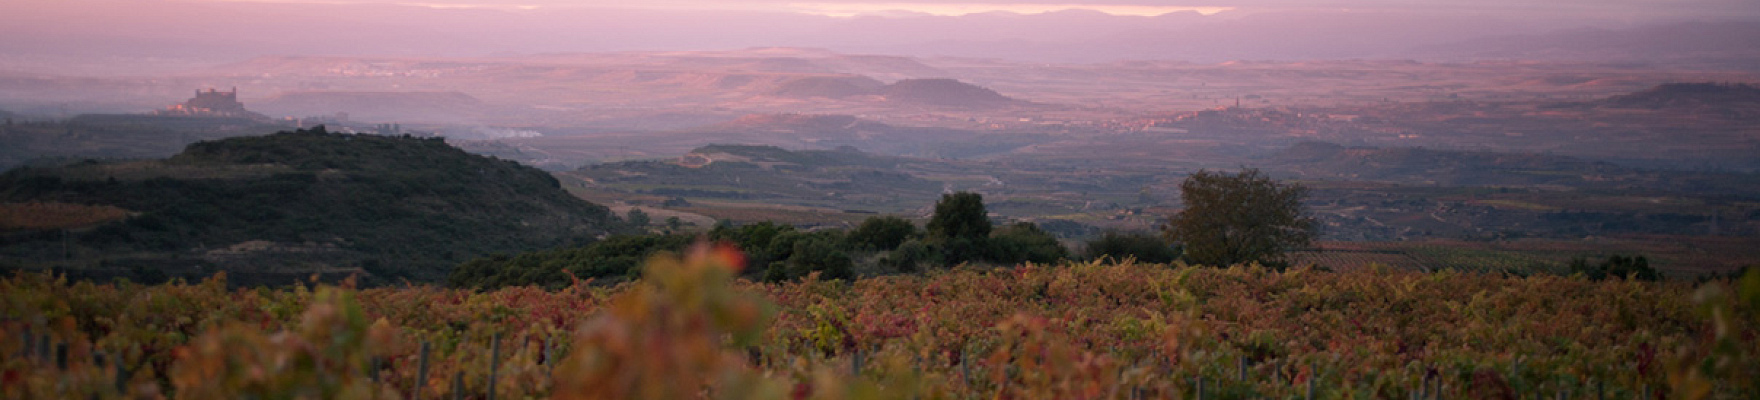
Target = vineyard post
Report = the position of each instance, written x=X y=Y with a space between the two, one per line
x=1436 y=391
x=43 y=349
x=1423 y=384
x=30 y=343
x=545 y=360
x=1515 y=370
x=421 y=371
x=61 y=356
x=1312 y=373
x=1243 y=367
x=1600 y=390
x=121 y=376
x=373 y=369
x=458 y=385
x=1200 y=389
x=1645 y=389
x=855 y=363
x=494 y=362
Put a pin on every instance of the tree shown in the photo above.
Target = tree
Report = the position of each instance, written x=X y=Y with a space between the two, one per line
x=908 y=256
x=1616 y=267
x=960 y=228
x=881 y=233
x=960 y=215
x=819 y=254
x=1239 y=218
x=637 y=218
x=1025 y=242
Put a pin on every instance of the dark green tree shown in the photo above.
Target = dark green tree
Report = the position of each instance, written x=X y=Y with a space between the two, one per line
x=1025 y=242
x=881 y=233
x=637 y=218
x=1239 y=218
x=1616 y=267
x=819 y=254
x=960 y=228
x=909 y=255
x=960 y=215
x=756 y=240
x=1144 y=247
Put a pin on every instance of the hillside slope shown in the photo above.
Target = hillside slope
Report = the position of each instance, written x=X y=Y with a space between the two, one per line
x=272 y=208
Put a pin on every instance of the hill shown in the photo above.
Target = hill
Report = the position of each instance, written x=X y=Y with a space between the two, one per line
x=1690 y=95
x=944 y=92
x=272 y=209
x=1424 y=166
x=115 y=136
x=937 y=92
x=830 y=179
x=1445 y=167
x=827 y=87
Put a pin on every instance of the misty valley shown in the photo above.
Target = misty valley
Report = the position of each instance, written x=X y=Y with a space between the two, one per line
x=755 y=199
x=1572 y=161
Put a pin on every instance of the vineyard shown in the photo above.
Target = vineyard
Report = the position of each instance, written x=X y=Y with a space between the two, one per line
x=41 y=216
x=1681 y=257
x=690 y=329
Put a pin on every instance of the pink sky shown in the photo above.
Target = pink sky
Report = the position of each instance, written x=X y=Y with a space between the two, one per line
x=1582 y=8
x=1037 y=30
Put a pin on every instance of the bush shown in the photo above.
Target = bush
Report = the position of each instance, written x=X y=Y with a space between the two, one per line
x=881 y=233
x=1025 y=242
x=909 y=256
x=614 y=257
x=1616 y=267
x=754 y=239
x=1143 y=247
x=819 y=254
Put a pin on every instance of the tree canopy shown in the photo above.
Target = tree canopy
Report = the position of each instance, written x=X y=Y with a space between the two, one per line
x=1239 y=218
x=960 y=227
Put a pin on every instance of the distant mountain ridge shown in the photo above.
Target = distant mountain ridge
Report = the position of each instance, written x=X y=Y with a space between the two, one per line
x=1310 y=160
x=272 y=209
x=944 y=92
x=1690 y=95
x=1718 y=44
x=1444 y=167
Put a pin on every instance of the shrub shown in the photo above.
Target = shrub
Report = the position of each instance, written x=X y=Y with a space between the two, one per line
x=1143 y=247
x=1025 y=242
x=881 y=233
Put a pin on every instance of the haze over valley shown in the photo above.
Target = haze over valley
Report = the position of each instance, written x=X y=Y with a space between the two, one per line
x=1412 y=123
x=871 y=199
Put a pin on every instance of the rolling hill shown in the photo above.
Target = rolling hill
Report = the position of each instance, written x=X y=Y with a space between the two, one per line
x=274 y=209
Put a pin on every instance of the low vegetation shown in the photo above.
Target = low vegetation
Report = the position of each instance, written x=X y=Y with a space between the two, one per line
x=1095 y=330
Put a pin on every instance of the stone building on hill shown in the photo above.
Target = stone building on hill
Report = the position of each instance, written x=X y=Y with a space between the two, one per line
x=212 y=103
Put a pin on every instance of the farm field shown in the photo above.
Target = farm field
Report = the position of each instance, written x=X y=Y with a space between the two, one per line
x=1094 y=330
x=1681 y=257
